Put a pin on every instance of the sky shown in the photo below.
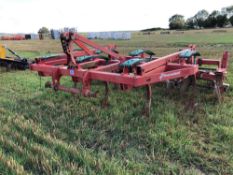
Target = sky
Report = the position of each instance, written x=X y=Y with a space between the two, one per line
x=27 y=16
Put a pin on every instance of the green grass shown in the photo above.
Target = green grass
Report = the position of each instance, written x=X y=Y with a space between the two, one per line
x=43 y=132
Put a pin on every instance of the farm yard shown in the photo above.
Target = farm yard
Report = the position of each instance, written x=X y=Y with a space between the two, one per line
x=43 y=132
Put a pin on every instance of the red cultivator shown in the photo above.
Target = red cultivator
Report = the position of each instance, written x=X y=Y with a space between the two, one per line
x=86 y=61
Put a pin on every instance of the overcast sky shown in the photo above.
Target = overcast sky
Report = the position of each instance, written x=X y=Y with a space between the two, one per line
x=97 y=15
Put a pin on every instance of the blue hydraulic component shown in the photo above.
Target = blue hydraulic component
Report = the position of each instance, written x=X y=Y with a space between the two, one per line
x=141 y=51
x=98 y=51
x=49 y=56
x=188 y=53
x=136 y=52
x=84 y=58
x=149 y=52
x=90 y=57
x=132 y=62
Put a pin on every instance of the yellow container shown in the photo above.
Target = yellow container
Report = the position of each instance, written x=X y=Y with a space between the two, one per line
x=2 y=52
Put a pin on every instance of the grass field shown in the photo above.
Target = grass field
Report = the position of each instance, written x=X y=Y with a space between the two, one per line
x=43 y=132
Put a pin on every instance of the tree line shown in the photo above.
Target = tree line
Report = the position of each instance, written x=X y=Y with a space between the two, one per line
x=203 y=19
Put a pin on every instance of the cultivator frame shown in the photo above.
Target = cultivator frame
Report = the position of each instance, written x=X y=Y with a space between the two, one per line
x=139 y=69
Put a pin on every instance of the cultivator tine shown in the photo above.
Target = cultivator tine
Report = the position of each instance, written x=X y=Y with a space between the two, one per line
x=105 y=101
x=185 y=84
x=194 y=81
x=194 y=94
x=40 y=82
x=48 y=84
x=75 y=85
x=217 y=91
x=148 y=100
x=190 y=99
x=219 y=86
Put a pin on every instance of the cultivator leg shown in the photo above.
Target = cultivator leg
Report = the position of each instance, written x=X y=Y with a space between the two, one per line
x=105 y=101
x=75 y=82
x=56 y=82
x=219 y=87
x=148 y=100
x=193 y=98
x=86 y=87
x=217 y=92
x=48 y=84
x=185 y=84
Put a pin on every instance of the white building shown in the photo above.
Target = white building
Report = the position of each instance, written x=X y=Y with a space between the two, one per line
x=109 y=35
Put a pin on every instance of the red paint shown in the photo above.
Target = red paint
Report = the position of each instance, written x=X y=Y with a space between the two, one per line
x=170 y=67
